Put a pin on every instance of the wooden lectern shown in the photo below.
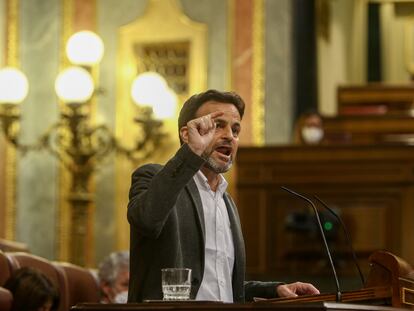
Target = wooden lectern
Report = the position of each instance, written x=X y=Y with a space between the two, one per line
x=390 y=283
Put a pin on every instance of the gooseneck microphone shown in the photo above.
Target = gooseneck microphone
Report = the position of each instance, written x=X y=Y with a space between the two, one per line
x=338 y=291
x=348 y=237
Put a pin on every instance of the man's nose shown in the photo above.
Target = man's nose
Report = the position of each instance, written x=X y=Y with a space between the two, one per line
x=228 y=133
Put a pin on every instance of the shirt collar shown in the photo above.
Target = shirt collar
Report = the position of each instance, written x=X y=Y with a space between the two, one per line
x=201 y=180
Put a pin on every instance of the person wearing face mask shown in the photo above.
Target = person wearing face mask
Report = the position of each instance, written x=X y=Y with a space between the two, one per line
x=113 y=275
x=311 y=128
x=181 y=215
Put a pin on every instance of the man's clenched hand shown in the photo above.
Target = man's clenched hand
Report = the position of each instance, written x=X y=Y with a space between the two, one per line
x=200 y=133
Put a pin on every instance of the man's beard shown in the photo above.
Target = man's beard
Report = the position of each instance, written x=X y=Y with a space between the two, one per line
x=216 y=168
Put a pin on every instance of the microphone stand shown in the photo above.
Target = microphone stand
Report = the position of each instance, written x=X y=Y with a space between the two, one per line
x=338 y=291
x=348 y=237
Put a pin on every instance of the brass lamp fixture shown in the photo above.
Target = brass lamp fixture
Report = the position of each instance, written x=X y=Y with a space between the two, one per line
x=13 y=90
x=73 y=139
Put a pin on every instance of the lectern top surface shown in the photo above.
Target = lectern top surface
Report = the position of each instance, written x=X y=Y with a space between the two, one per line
x=194 y=305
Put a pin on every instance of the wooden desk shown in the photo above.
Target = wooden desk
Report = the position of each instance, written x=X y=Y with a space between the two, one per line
x=371 y=186
x=195 y=306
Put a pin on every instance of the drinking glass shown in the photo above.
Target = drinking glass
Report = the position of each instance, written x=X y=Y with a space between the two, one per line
x=176 y=283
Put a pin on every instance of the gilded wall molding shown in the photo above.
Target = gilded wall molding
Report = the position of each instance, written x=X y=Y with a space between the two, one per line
x=258 y=84
x=409 y=44
x=64 y=222
x=12 y=59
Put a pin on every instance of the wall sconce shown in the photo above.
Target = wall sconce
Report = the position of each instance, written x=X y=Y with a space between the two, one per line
x=13 y=90
x=74 y=85
x=150 y=89
x=73 y=139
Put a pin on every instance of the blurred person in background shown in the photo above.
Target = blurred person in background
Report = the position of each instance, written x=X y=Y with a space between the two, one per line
x=113 y=274
x=32 y=291
x=309 y=129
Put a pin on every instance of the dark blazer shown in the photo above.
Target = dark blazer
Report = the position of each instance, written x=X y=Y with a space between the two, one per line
x=167 y=230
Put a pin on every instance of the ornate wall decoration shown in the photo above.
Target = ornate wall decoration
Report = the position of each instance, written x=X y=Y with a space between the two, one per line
x=176 y=49
x=76 y=15
x=169 y=59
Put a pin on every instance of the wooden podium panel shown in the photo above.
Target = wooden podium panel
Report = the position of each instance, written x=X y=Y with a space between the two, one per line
x=372 y=187
x=195 y=306
x=389 y=283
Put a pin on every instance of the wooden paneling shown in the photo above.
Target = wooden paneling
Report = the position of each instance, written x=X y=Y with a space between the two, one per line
x=255 y=226
x=368 y=129
x=371 y=187
x=376 y=99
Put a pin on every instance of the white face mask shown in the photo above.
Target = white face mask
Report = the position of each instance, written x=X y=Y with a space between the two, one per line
x=121 y=297
x=312 y=134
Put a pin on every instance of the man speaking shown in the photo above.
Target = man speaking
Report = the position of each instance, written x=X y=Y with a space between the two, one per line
x=181 y=216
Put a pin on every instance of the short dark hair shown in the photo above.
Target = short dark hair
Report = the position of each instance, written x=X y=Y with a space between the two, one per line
x=31 y=289
x=190 y=107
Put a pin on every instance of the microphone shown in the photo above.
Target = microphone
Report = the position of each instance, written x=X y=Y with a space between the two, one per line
x=338 y=291
x=347 y=235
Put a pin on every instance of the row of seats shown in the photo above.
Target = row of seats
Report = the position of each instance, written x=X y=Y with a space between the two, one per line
x=75 y=284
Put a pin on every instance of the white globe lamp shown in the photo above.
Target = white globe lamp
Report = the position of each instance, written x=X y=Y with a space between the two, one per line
x=74 y=85
x=85 y=48
x=13 y=86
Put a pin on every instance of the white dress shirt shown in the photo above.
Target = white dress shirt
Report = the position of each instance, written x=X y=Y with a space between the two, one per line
x=219 y=248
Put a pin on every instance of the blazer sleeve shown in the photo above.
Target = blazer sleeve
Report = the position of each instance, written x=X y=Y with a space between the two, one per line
x=155 y=189
x=260 y=289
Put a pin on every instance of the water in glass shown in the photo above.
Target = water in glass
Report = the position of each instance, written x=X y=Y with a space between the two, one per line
x=176 y=292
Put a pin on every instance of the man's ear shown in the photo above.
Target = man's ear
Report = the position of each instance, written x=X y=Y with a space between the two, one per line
x=184 y=134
